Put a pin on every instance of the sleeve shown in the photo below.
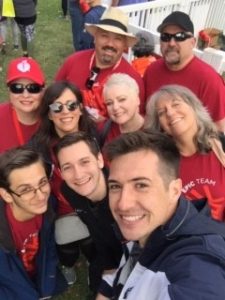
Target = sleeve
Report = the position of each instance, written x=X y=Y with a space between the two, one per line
x=198 y=276
x=213 y=94
x=106 y=285
x=64 y=70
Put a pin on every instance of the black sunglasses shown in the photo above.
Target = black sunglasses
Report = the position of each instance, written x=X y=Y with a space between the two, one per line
x=57 y=107
x=91 y=80
x=178 y=37
x=18 y=88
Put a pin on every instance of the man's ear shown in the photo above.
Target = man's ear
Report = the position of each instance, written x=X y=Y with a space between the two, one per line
x=175 y=189
x=100 y=160
x=5 y=195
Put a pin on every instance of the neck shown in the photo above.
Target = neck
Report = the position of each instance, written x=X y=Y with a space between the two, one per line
x=95 y=3
x=180 y=66
x=132 y=125
x=105 y=65
x=186 y=146
x=27 y=118
x=101 y=191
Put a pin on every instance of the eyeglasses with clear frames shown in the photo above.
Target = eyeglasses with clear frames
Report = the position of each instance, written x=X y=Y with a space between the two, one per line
x=29 y=192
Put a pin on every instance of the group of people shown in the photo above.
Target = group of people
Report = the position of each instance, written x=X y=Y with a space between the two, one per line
x=127 y=170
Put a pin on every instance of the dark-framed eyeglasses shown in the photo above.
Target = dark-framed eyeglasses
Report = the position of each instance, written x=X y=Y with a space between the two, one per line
x=19 y=88
x=29 y=192
x=57 y=107
x=91 y=80
x=178 y=37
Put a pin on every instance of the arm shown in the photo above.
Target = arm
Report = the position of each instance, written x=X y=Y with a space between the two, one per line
x=101 y=297
x=114 y=2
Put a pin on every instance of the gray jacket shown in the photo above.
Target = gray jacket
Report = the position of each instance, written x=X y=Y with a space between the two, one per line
x=25 y=8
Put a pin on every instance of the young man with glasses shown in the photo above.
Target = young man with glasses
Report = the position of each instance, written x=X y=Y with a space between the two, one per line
x=180 y=66
x=20 y=115
x=28 y=256
x=89 y=69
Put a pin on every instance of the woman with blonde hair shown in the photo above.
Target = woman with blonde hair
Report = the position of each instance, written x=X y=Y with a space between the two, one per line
x=177 y=111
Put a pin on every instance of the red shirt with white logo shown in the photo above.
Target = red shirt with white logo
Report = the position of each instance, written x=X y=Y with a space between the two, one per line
x=204 y=176
x=26 y=238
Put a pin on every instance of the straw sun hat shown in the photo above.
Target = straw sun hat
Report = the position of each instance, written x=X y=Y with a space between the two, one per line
x=116 y=21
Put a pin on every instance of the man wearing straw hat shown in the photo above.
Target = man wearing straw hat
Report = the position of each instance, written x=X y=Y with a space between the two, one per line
x=89 y=69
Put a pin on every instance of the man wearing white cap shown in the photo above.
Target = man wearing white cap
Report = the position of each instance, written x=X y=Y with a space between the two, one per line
x=89 y=69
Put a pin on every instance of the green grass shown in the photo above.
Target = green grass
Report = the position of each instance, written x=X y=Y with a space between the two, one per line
x=53 y=43
x=79 y=291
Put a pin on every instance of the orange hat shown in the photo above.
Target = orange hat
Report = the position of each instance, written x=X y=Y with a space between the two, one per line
x=24 y=67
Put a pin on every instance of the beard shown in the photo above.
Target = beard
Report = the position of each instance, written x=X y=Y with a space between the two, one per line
x=172 y=57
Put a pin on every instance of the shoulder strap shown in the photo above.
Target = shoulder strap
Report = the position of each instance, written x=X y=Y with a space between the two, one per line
x=105 y=132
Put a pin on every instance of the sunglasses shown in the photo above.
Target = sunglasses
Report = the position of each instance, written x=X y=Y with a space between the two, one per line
x=178 y=37
x=57 y=107
x=19 y=88
x=91 y=80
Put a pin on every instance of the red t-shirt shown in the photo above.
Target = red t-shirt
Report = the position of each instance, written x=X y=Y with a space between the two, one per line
x=204 y=176
x=26 y=238
x=112 y=133
x=198 y=76
x=77 y=68
x=8 y=134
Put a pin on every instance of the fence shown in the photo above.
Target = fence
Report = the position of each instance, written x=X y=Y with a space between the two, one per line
x=204 y=13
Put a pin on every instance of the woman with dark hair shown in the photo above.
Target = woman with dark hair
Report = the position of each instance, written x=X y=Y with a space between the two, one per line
x=61 y=113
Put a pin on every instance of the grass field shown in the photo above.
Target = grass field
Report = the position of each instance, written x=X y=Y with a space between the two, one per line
x=53 y=43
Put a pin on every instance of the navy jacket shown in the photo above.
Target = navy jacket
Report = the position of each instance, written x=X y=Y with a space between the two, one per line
x=101 y=225
x=183 y=260
x=15 y=283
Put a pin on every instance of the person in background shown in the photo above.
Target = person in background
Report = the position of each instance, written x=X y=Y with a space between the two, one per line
x=180 y=66
x=174 y=250
x=178 y=112
x=4 y=23
x=64 y=7
x=90 y=69
x=28 y=257
x=20 y=115
x=85 y=188
x=126 y=2
x=61 y=113
x=121 y=96
x=76 y=16
x=143 y=52
x=92 y=16
x=25 y=18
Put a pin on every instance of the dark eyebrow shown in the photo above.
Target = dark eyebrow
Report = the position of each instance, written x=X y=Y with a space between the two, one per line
x=69 y=163
x=131 y=180
x=28 y=184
